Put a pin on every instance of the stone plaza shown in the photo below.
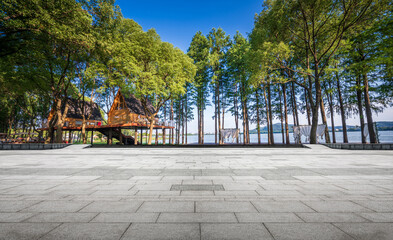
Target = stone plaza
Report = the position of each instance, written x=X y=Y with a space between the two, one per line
x=196 y=193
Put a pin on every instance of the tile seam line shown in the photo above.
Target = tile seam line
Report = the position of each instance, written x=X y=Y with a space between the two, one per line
x=50 y=231
x=347 y=234
x=122 y=235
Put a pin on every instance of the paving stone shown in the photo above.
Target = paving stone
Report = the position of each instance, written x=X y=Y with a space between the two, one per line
x=14 y=217
x=158 y=193
x=79 y=231
x=197 y=193
x=62 y=217
x=335 y=206
x=57 y=206
x=236 y=193
x=14 y=206
x=330 y=217
x=156 y=187
x=167 y=207
x=281 y=206
x=368 y=231
x=224 y=206
x=241 y=187
x=378 y=217
x=110 y=206
x=197 y=217
x=24 y=231
x=234 y=231
x=162 y=231
x=262 y=187
x=125 y=217
x=196 y=187
x=306 y=231
x=267 y=217
x=379 y=206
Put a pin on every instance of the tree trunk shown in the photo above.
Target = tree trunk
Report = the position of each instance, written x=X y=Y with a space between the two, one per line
x=284 y=90
x=236 y=113
x=360 y=107
x=84 y=130
x=269 y=140
x=172 y=130
x=109 y=142
x=219 y=112
x=215 y=117
x=258 y=120
x=342 y=111
x=330 y=100
x=315 y=108
x=294 y=102
x=307 y=106
x=281 y=117
x=51 y=128
x=203 y=127
x=199 y=107
x=223 y=112
x=60 y=120
x=270 y=114
x=182 y=121
x=152 y=122
x=324 y=120
x=247 y=123
x=243 y=113
x=370 y=122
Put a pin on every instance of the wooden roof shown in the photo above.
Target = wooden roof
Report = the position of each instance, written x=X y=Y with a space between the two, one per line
x=75 y=111
x=134 y=105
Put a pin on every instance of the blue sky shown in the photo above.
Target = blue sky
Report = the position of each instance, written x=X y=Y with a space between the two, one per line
x=177 y=22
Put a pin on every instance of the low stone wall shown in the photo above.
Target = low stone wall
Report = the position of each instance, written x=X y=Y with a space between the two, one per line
x=359 y=146
x=32 y=146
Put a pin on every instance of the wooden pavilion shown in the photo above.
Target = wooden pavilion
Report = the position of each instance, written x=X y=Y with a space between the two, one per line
x=128 y=109
x=75 y=114
x=126 y=112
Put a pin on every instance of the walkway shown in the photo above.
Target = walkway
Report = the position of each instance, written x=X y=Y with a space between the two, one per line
x=310 y=193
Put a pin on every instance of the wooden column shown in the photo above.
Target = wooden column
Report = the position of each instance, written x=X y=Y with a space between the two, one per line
x=156 y=136
x=136 y=136
x=141 y=136
x=120 y=137
x=92 y=139
x=146 y=139
x=163 y=136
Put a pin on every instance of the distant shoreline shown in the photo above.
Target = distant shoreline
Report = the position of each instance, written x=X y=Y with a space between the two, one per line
x=264 y=132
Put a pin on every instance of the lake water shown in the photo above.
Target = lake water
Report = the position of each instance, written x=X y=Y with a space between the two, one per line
x=353 y=137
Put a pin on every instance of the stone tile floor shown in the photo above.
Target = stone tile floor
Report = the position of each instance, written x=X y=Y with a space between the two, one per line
x=195 y=193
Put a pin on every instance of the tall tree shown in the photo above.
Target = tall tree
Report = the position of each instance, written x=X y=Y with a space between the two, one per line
x=218 y=43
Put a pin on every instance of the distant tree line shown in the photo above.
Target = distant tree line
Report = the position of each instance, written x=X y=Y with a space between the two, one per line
x=317 y=58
